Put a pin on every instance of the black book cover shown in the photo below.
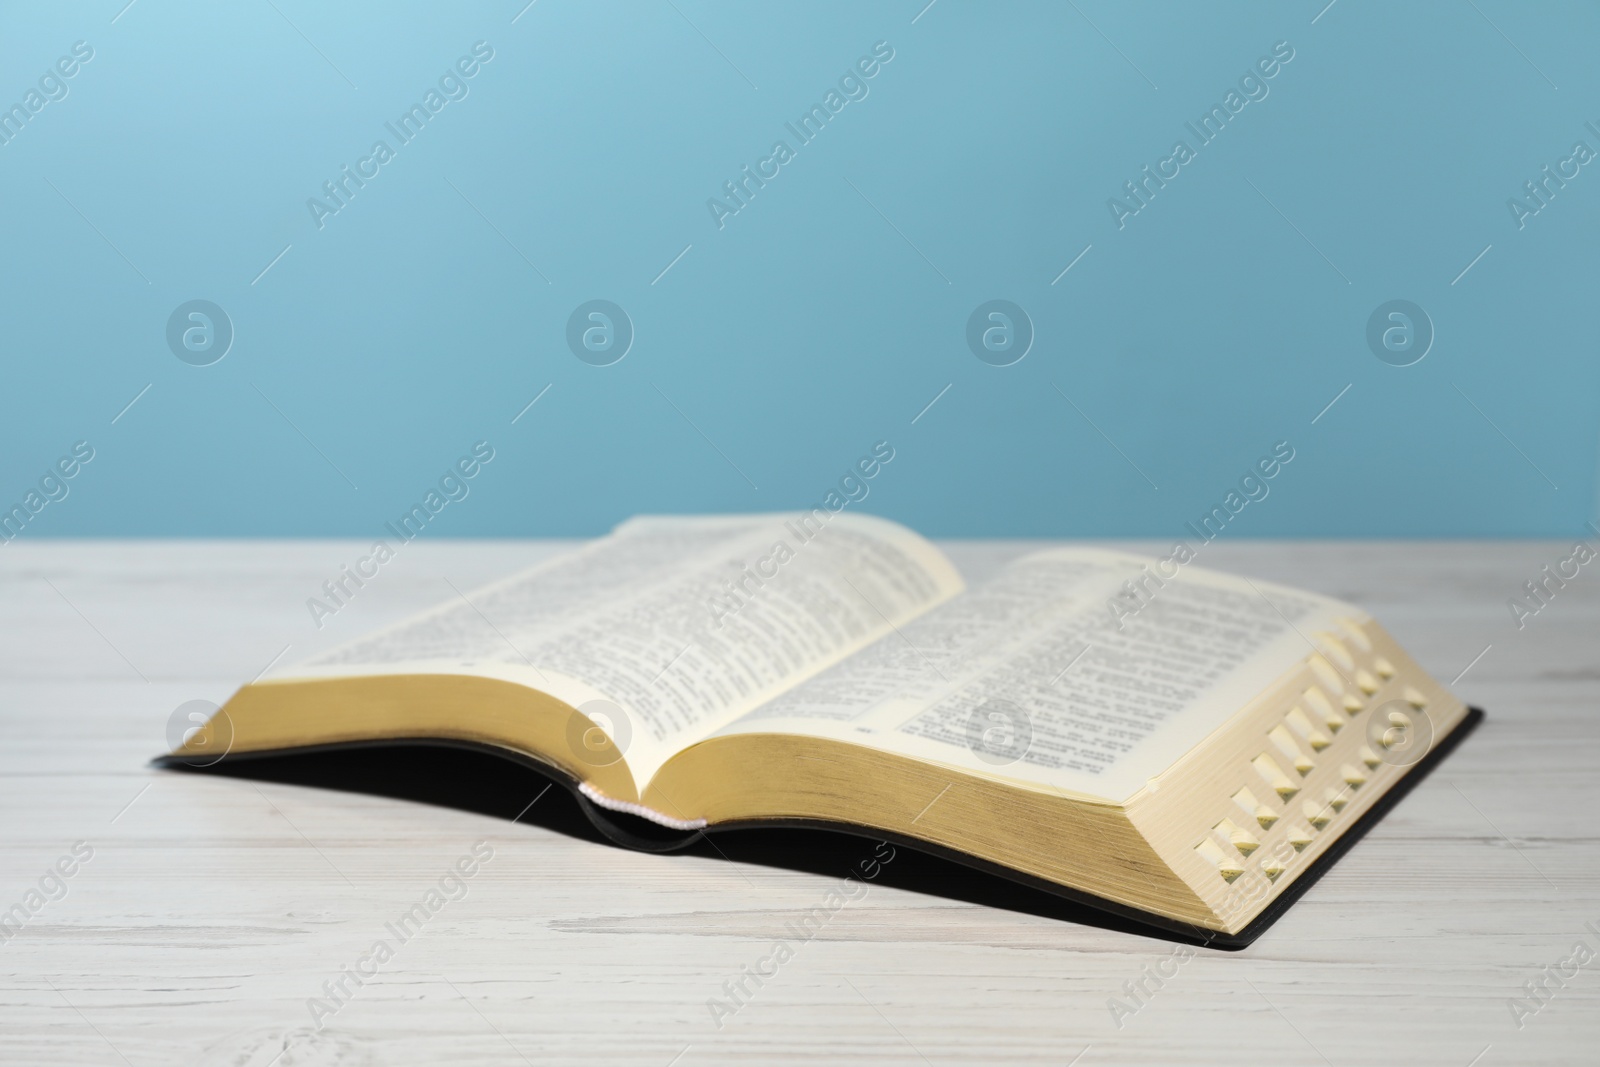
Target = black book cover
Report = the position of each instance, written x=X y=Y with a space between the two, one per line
x=800 y=843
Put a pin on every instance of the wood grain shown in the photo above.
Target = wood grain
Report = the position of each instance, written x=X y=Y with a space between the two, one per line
x=213 y=909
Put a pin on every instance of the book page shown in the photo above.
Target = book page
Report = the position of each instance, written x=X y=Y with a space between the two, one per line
x=1059 y=673
x=672 y=627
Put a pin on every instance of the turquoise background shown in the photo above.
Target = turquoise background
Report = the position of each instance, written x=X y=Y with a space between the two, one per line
x=826 y=314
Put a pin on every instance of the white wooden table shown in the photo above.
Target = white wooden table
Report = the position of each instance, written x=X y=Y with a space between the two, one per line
x=213 y=909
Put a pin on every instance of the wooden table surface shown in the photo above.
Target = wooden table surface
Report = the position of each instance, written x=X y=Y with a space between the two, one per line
x=212 y=910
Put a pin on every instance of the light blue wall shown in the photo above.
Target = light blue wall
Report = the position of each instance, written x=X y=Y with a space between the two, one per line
x=826 y=314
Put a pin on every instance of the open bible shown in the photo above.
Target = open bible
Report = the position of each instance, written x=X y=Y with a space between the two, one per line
x=1173 y=744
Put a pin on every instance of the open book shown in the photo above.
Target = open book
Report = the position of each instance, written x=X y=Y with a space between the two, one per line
x=1166 y=742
